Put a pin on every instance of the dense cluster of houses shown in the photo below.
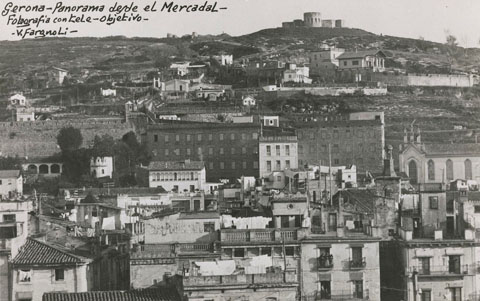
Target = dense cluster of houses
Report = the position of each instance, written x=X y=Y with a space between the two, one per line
x=237 y=201
x=253 y=210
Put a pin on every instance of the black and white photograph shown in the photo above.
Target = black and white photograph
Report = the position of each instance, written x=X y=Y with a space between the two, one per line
x=239 y=150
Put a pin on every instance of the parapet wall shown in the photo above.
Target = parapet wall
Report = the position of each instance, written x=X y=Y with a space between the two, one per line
x=39 y=138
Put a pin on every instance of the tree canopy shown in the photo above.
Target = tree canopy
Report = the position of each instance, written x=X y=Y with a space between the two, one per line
x=69 y=139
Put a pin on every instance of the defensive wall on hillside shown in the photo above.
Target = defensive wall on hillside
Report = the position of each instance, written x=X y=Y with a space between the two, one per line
x=39 y=138
x=429 y=80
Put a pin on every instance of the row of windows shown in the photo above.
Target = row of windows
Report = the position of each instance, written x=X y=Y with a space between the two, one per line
x=211 y=151
x=277 y=150
x=336 y=161
x=242 y=252
x=232 y=165
x=209 y=137
x=25 y=276
x=336 y=133
x=455 y=293
x=278 y=165
x=181 y=176
x=449 y=169
x=312 y=149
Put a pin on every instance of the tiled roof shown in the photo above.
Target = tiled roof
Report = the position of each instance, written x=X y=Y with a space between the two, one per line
x=157 y=294
x=359 y=54
x=199 y=215
x=34 y=252
x=363 y=200
x=452 y=149
x=175 y=165
x=9 y=174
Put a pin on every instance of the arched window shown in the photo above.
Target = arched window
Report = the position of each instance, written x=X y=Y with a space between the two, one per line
x=174 y=176
x=55 y=168
x=412 y=172
x=468 y=169
x=431 y=170
x=43 y=169
x=32 y=168
x=449 y=166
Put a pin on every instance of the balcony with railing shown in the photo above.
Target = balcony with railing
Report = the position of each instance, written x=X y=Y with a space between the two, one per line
x=258 y=235
x=411 y=212
x=193 y=248
x=357 y=264
x=325 y=262
x=443 y=270
x=337 y=295
x=275 y=279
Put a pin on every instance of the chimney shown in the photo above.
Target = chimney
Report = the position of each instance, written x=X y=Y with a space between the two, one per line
x=419 y=136
x=405 y=136
x=388 y=165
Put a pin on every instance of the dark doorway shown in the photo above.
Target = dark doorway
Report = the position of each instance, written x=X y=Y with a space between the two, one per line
x=332 y=222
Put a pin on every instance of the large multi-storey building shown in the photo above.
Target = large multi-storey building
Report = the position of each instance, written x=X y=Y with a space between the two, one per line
x=13 y=233
x=436 y=247
x=345 y=142
x=229 y=150
x=277 y=153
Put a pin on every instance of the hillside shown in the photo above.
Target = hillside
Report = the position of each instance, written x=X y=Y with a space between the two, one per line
x=415 y=55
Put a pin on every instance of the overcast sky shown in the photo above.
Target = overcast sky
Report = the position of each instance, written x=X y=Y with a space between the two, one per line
x=406 y=18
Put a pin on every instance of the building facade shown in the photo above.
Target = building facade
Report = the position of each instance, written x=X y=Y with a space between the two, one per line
x=436 y=246
x=229 y=150
x=177 y=176
x=39 y=268
x=324 y=62
x=370 y=59
x=14 y=219
x=438 y=163
x=11 y=184
x=359 y=142
x=101 y=167
x=277 y=153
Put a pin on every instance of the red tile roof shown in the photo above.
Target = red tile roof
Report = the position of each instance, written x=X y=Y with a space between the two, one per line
x=157 y=294
x=34 y=253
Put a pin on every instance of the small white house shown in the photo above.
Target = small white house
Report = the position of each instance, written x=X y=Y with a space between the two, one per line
x=101 y=167
x=108 y=92
x=249 y=101
x=11 y=184
x=226 y=59
x=348 y=176
x=177 y=176
x=24 y=114
x=180 y=68
x=18 y=100
x=270 y=88
x=167 y=117
x=271 y=121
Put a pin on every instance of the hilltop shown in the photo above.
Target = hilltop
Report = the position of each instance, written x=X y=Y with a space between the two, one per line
x=415 y=54
x=283 y=43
